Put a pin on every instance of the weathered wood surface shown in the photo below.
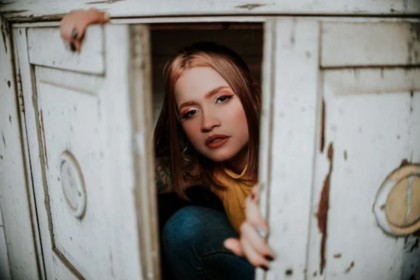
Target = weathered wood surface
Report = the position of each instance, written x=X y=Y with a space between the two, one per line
x=367 y=134
x=369 y=126
x=14 y=187
x=30 y=10
x=329 y=139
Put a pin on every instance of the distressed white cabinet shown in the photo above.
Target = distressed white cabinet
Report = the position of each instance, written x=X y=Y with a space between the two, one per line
x=341 y=113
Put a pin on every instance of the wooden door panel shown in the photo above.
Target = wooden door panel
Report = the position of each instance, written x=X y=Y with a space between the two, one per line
x=46 y=48
x=93 y=186
x=73 y=129
x=370 y=135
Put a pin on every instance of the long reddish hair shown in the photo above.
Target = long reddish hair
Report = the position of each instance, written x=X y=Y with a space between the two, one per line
x=169 y=137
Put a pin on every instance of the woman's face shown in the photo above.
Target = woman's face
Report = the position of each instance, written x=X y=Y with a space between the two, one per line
x=212 y=115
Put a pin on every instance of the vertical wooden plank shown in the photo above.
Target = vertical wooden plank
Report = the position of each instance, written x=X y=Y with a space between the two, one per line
x=294 y=112
x=120 y=142
x=266 y=129
x=16 y=208
x=34 y=155
x=142 y=119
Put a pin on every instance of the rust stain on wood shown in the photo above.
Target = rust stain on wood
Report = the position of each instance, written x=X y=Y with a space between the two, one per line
x=250 y=7
x=322 y=214
x=322 y=142
x=4 y=140
x=43 y=138
x=337 y=256
x=350 y=267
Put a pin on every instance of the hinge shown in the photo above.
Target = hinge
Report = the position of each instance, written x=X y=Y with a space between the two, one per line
x=20 y=94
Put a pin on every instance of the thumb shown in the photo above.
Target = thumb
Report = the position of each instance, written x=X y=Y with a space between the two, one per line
x=234 y=245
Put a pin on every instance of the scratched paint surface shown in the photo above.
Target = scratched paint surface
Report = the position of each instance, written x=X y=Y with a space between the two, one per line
x=376 y=132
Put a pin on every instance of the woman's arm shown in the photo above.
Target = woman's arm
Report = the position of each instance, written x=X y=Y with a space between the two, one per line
x=74 y=24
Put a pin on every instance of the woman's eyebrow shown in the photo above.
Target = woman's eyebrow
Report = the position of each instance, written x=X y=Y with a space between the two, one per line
x=214 y=91
x=188 y=103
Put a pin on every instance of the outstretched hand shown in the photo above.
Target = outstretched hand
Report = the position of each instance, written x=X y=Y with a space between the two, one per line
x=254 y=230
x=74 y=24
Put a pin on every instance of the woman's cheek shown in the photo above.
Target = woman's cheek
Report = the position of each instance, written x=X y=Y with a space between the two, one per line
x=192 y=131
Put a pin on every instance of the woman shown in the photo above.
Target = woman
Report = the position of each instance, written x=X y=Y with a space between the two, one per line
x=207 y=134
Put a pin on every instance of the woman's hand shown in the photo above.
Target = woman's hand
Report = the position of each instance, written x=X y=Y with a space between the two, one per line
x=254 y=230
x=74 y=24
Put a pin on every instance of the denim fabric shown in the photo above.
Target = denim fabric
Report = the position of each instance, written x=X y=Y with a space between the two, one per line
x=193 y=243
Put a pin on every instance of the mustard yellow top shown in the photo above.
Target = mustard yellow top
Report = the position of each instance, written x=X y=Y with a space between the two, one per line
x=234 y=195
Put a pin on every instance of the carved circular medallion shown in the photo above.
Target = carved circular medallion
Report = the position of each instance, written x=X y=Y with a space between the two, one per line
x=72 y=184
x=397 y=205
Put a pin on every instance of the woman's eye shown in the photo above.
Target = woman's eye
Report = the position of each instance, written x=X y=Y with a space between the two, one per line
x=223 y=98
x=189 y=114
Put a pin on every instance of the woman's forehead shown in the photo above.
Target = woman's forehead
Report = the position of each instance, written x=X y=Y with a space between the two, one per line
x=195 y=83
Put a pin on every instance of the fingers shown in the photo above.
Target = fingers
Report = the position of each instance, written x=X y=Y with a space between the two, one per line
x=253 y=215
x=255 y=241
x=253 y=257
x=76 y=45
x=96 y=16
x=235 y=246
x=74 y=24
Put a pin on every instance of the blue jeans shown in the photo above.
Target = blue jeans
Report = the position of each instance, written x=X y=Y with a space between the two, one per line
x=193 y=243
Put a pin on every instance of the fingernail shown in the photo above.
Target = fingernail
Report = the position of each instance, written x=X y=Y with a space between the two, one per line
x=72 y=47
x=269 y=258
x=264 y=267
x=74 y=33
x=106 y=16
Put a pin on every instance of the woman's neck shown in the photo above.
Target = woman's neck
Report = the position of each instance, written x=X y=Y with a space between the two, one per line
x=238 y=163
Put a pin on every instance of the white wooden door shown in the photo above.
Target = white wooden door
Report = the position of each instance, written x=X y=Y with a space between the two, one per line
x=341 y=113
x=88 y=124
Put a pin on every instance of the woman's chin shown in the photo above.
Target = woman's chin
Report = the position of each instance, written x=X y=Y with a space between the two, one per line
x=220 y=156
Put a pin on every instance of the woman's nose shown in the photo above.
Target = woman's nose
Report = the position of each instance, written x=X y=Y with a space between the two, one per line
x=209 y=122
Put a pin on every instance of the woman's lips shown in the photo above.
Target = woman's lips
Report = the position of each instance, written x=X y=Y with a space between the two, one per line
x=217 y=140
